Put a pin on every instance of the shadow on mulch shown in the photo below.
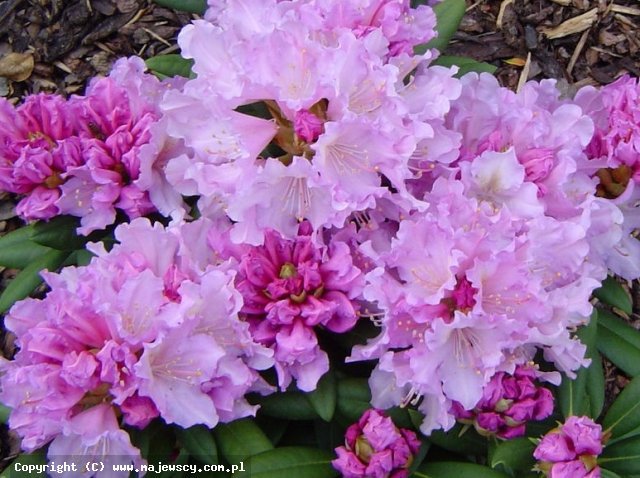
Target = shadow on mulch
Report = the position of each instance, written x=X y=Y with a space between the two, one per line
x=577 y=41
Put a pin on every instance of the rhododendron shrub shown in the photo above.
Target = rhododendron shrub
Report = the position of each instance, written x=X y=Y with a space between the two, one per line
x=318 y=221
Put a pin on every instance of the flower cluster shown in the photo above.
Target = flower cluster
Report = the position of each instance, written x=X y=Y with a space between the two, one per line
x=508 y=403
x=374 y=446
x=291 y=286
x=571 y=450
x=82 y=156
x=149 y=329
x=336 y=175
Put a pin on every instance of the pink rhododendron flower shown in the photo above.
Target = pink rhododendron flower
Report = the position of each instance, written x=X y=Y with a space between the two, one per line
x=374 y=446
x=291 y=286
x=132 y=329
x=571 y=450
x=508 y=403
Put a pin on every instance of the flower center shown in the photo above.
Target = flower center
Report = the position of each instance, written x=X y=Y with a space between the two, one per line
x=287 y=271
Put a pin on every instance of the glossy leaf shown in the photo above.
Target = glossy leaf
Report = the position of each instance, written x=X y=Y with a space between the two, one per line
x=622 y=457
x=513 y=456
x=17 y=250
x=29 y=278
x=323 y=399
x=619 y=342
x=449 y=14
x=241 y=439
x=459 y=439
x=465 y=65
x=456 y=470
x=613 y=293
x=59 y=233
x=573 y=396
x=608 y=473
x=26 y=459
x=623 y=416
x=288 y=405
x=354 y=398
x=4 y=413
x=291 y=462
x=199 y=443
x=170 y=65
x=191 y=6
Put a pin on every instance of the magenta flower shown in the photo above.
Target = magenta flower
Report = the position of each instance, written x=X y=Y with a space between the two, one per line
x=375 y=447
x=151 y=327
x=571 y=450
x=290 y=287
x=508 y=403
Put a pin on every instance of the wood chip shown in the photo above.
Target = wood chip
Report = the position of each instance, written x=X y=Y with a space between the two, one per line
x=577 y=51
x=16 y=66
x=503 y=7
x=564 y=3
x=524 y=76
x=573 y=25
x=624 y=10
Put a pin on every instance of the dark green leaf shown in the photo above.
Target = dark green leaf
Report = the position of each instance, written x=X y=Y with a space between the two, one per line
x=288 y=405
x=17 y=250
x=4 y=413
x=199 y=443
x=465 y=65
x=457 y=470
x=191 y=6
x=29 y=278
x=323 y=398
x=26 y=459
x=460 y=440
x=619 y=342
x=513 y=456
x=622 y=457
x=170 y=65
x=291 y=462
x=613 y=293
x=624 y=414
x=608 y=474
x=572 y=394
x=241 y=439
x=449 y=14
x=595 y=385
x=59 y=233
x=354 y=398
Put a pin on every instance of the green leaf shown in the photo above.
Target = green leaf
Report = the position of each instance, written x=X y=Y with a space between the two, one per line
x=199 y=443
x=59 y=233
x=171 y=65
x=624 y=414
x=619 y=342
x=291 y=462
x=572 y=394
x=29 y=278
x=622 y=457
x=191 y=6
x=608 y=474
x=4 y=413
x=241 y=439
x=457 y=441
x=323 y=399
x=354 y=398
x=26 y=459
x=465 y=64
x=513 y=456
x=17 y=250
x=449 y=14
x=613 y=293
x=458 y=470
x=288 y=405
